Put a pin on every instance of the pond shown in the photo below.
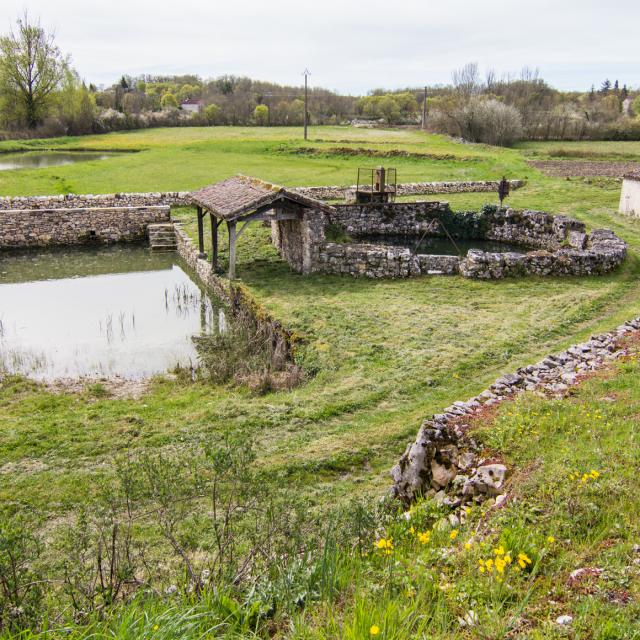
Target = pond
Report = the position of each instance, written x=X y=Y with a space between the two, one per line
x=444 y=246
x=42 y=159
x=100 y=312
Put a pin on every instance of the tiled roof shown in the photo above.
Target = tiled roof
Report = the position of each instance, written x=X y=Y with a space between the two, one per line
x=236 y=196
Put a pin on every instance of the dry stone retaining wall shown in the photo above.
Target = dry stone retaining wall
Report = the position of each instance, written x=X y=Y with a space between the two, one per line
x=239 y=301
x=50 y=227
x=444 y=461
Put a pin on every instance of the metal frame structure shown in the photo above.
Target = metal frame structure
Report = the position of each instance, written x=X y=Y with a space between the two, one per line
x=381 y=187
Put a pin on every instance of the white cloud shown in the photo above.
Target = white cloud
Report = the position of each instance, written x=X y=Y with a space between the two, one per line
x=349 y=46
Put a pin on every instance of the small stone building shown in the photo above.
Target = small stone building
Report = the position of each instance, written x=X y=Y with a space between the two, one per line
x=630 y=197
x=297 y=221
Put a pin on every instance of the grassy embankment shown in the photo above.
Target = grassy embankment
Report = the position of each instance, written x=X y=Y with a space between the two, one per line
x=382 y=354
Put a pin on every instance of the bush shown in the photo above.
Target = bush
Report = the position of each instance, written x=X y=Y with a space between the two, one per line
x=261 y=115
x=169 y=101
x=213 y=114
x=489 y=121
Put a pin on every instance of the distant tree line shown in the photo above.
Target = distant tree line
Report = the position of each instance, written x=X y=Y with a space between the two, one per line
x=41 y=95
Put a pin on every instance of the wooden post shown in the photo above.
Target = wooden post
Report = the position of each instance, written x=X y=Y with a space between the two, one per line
x=200 y=233
x=424 y=109
x=306 y=102
x=214 y=242
x=231 y=226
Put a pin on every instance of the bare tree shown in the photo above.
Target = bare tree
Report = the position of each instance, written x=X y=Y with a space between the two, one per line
x=466 y=80
x=31 y=69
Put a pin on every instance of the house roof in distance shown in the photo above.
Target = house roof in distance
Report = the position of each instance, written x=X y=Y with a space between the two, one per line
x=234 y=197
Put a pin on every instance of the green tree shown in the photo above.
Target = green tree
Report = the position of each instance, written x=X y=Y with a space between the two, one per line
x=168 y=101
x=261 y=115
x=31 y=70
x=76 y=105
x=389 y=109
x=635 y=105
x=213 y=114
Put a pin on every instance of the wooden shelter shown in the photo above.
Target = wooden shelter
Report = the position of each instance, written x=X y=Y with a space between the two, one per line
x=240 y=200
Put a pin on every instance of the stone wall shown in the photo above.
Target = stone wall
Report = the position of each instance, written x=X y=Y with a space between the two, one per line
x=399 y=218
x=181 y=198
x=300 y=242
x=49 y=227
x=603 y=251
x=378 y=261
x=533 y=228
x=445 y=462
x=411 y=189
x=367 y=260
x=274 y=336
x=559 y=245
x=73 y=201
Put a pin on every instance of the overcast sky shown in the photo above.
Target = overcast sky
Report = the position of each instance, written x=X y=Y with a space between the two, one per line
x=348 y=46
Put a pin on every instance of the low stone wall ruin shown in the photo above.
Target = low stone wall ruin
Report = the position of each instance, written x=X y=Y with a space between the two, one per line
x=51 y=227
x=88 y=201
x=180 y=198
x=412 y=189
x=446 y=463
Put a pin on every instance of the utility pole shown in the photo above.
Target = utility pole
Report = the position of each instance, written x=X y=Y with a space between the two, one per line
x=306 y=74
x=424 y=109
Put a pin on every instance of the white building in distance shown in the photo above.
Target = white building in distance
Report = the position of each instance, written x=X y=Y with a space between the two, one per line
x=630 y=197
x=193 y=105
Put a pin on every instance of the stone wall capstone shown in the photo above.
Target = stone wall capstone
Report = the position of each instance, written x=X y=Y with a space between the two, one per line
x=51 y=227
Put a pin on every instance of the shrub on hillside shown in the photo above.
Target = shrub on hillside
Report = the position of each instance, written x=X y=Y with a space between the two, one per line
x=488 y=121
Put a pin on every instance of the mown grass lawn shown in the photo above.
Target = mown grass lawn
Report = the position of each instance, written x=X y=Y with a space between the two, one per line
x=379 y=355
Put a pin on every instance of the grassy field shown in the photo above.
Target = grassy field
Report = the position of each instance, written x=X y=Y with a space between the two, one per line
x=379 y=357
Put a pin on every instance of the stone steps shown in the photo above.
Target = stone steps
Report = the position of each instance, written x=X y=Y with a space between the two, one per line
x=162 y=237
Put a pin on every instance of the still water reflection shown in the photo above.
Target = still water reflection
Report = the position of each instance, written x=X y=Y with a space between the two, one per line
x=100 y=312
x=42 y=159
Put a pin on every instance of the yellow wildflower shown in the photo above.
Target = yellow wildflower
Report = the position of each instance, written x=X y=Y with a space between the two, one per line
x=524 y=560
x=550 y=539
x=155 y=627
x=424 y=537
x=385 y=545
x=454 y=534
x=467 y=545
x=412 y=530
x=374 y=630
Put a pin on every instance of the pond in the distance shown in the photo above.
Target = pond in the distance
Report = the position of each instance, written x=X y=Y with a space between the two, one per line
x=444 y=246
x=43 y=159
x=100 y=312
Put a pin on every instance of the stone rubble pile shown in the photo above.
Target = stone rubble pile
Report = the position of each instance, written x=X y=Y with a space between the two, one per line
x=444 y=460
